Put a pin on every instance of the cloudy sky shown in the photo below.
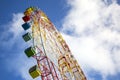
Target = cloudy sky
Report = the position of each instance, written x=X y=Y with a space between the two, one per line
x=90 y=27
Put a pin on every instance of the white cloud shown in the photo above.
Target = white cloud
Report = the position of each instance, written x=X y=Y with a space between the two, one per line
x=16 y=27
x=12 y=31
x=93 y=29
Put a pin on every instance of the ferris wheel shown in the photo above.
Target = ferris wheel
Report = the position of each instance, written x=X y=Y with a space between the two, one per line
x=54 y=58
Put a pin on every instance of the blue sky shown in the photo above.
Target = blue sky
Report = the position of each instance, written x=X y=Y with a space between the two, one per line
x=94 y=24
